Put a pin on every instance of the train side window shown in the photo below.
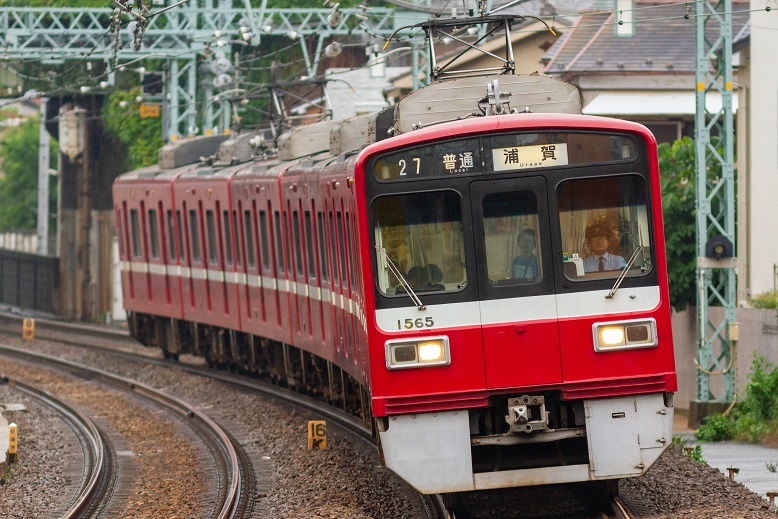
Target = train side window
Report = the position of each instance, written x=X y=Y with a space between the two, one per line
x=513 y=253
x=171 y=233
x=227 y=237
x=334 y=249
x=194 y=231
x=298 y=256
x=309 y=245
x=322 y=246
x=341 y=249
x=154 y=233
x=349 y=248
x=136 y=250
x=238 y=241
x=180 y=232
x=279 y=243
x=264 y=236
x=248 y=225
x=120 y=231
x=210 y=229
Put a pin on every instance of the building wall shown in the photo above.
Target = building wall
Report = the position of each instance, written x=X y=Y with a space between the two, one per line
x=758 y=335
x=763 y=152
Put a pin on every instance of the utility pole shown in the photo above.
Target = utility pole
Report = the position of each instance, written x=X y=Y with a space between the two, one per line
x=43 y=183
x=716 y=276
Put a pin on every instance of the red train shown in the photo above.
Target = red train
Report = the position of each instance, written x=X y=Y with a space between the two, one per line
x=490 y=293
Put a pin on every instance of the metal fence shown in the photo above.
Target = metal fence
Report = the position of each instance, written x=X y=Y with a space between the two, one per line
x=29 y=281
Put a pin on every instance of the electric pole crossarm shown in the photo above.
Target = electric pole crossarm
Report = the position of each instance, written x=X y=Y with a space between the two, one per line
x=66 y=32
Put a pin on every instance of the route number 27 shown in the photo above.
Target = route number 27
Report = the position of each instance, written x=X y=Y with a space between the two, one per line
x=404 y=165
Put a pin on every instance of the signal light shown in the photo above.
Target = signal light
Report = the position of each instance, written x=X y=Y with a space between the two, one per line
x=152 y=83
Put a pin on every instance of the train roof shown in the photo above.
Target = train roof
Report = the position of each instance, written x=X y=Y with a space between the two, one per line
x=457 y=99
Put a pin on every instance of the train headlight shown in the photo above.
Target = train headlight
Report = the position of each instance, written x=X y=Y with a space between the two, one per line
x=620 y=335
x=417 y=353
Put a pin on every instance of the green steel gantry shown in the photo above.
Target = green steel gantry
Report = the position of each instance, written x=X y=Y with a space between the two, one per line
x=177 y=35
x=714 y=132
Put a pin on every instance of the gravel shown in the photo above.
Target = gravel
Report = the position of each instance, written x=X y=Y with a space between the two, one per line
x=346 y=481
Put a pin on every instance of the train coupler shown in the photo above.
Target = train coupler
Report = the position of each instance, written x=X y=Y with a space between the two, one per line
x=527 y=413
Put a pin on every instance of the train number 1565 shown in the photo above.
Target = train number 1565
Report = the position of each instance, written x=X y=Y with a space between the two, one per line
x=410 y=324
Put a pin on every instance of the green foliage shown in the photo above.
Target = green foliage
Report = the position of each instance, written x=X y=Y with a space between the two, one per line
x=765 y=300
x=696 y=455
x=141 y=135
x=716 y=427
x=677 y=168
x=755 y=416
x=761 y=400
x=19 y=184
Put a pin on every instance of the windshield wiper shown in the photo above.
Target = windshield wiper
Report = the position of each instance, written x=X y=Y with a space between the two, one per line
x=403 y=282
x=624 y=271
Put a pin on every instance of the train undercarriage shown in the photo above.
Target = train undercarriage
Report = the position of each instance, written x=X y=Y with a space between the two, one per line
x=239 y=352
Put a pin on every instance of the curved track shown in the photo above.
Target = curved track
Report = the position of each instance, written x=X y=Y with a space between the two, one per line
x=52 y=330
x=98 y=475
x=234 y=494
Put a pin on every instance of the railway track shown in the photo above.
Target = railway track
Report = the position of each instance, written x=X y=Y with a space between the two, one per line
x=106 y=339
x=436 y=506
x=235 y=474
x=99 y=473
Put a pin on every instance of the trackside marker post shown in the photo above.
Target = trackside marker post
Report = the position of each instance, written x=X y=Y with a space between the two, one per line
x=12 y=442
x=28 y=329
x=317 y=434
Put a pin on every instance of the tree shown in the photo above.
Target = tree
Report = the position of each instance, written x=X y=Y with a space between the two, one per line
x=677 y=169
x=19 y=185
x=142 y=136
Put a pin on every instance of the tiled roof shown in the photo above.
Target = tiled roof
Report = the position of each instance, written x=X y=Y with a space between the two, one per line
x=663 y=42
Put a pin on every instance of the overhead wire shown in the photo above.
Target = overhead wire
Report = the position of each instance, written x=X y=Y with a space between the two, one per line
x=247 y=62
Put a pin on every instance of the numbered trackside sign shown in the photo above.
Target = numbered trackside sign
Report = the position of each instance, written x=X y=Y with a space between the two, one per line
x=317 y=435
x=28 y=329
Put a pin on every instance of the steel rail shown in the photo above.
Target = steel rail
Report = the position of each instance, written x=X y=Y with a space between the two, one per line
x=433 y=504
x=96 y=458
x=218 y=437
x=620 y=509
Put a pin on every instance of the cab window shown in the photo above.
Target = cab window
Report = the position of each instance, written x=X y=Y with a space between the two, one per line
x=605 y=227
x=419 y=238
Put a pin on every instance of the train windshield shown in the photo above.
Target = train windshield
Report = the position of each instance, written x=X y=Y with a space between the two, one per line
x=513 y=252
x=605 y=227
x=420 y=235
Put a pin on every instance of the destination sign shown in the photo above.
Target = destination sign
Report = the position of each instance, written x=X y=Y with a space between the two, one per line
x=523 y=157
x=501 y=152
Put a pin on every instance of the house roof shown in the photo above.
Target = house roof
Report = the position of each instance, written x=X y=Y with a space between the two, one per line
x=663 y=41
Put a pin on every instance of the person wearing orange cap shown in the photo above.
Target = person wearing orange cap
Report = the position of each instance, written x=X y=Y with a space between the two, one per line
x=599 y=236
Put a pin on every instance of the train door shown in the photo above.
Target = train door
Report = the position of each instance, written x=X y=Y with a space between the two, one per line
x=139 y=254
x=516 y=282
x=158 y=274
x=297 y=275
x=254 y=312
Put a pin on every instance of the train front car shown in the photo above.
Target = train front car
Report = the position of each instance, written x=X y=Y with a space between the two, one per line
x=504 y=351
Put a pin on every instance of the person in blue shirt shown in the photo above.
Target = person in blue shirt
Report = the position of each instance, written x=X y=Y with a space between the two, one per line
x=599 y=236
x=525 y=265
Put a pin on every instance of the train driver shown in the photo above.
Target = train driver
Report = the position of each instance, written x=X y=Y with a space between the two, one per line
x=599 y=236
x=525 y=265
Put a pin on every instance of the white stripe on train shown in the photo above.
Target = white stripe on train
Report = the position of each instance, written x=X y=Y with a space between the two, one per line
x=450 y=315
